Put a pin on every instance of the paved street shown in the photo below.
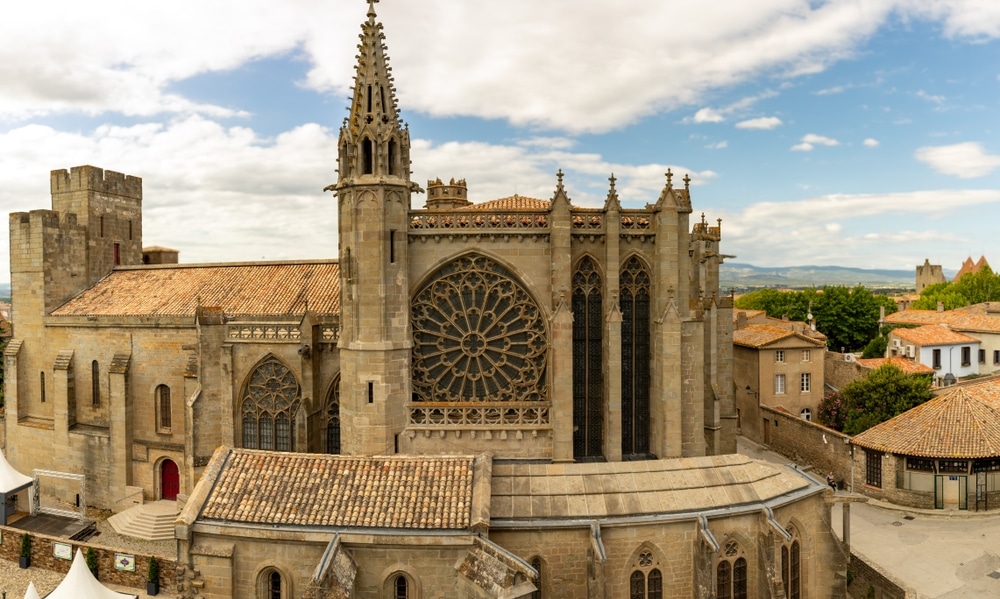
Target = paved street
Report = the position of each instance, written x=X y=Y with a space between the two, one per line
x=940 y=555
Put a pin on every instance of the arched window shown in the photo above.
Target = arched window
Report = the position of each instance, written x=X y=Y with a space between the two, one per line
x=272 y=585
x=646 y=581
x=731 y=573
x=163 y=415
x=400 y=588
x=478 y=336
x=588 y=362
x=392 y=156
x=805 y=414
x=791 y=567
x=331 y=419
x=268 y=406
x=536 y=563
x=634 y=301
x=366 y=156
x=95 y=384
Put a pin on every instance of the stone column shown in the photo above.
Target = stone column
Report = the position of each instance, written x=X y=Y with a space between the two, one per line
x=120 y=421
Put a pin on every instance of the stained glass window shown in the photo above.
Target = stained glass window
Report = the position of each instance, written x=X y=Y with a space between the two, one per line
x=268 y=408
x=634 y=302
x=588 y=362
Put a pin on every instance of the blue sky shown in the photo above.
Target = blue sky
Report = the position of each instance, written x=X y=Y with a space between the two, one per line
x=854 y=133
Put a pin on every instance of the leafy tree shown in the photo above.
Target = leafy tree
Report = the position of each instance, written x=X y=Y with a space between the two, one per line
x=884 y=393
x=831 y=411
x=876 y=347
x=848 y=316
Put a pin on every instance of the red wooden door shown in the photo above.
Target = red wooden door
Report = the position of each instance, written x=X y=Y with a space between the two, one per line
x=170 y=482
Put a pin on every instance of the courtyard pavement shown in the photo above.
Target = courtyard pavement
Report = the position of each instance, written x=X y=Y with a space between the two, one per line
x=937 y=554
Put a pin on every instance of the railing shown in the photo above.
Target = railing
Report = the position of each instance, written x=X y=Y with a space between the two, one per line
x=504 y=221
x=480 y=414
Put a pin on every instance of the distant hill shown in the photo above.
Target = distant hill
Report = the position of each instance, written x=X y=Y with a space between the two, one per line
x=742 y=276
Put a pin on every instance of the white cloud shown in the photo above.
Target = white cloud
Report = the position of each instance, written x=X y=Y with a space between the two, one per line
x=718 y=146
x=811 y=140
x=764 y=122
x=802 y=147
x=965 y=160
x=870 y=142
x=836 y=89
x=708 y=115
x=930 y=98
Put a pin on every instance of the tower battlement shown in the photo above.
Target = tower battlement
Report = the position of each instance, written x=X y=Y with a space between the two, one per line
x=453 y=194
x=91 y=178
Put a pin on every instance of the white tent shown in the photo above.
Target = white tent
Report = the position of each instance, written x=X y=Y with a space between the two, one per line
x=31 y=593
x=11 y=482
x=81 y=584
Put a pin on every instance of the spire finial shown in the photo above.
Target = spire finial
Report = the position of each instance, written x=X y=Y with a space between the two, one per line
x=559 y=178
x=670 y=179
x=687 y=181
x=371 y=8
x=612 y=178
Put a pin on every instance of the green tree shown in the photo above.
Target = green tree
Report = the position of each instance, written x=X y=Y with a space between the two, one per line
x=973 y=288
x=876 y=347
x=884 y=393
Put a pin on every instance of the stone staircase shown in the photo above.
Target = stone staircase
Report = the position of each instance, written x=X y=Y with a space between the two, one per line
x=150 y=521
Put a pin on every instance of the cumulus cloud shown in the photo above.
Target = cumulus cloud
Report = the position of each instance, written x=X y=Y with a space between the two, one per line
x=811 y=140
x=870 y=142
x=764 y=122
x=707 y=115
x=965 y=160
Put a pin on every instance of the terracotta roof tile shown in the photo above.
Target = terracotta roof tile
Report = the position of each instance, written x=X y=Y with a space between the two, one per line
x=963 y=423
x=907 y=366
x=760 y=335
x=920 y=317
x=415 y=492
x=238 y=289
x=979 y=323
x=933 y=334
x=514 y=202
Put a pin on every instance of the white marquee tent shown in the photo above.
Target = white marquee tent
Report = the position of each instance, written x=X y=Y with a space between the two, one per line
x=11 y=482
x=81 y=584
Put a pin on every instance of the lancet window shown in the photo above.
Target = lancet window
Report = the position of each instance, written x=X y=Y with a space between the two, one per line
x=646 y=581
x=331 y=420
x=731 y=573
x=478 y=336
x=634 y=303
x=791 y=567
x=588 y=362
x=268 y=406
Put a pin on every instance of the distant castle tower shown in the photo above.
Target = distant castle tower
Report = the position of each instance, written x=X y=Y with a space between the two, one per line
x=969 y=267
x=929 y=274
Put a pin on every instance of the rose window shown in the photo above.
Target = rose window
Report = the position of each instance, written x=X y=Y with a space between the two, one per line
x=268 y=408
x=478 y=336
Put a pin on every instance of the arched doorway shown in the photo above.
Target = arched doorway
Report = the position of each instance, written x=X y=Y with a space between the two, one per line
x=170 y=480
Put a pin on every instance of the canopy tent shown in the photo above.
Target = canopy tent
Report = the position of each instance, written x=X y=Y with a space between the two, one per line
x=31 y=593
x=11 y=482
x=81 y=584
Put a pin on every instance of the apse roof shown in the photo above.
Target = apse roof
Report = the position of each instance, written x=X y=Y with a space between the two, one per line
x=258 y=288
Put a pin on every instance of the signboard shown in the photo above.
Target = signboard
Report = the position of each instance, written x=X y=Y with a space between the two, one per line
x=62 y=551
x=125 y=562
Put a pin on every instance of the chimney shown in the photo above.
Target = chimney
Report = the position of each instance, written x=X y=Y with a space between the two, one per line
x=940 y=307
x=741 y=320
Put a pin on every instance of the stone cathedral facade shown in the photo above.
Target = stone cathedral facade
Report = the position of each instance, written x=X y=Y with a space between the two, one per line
x=512 y=398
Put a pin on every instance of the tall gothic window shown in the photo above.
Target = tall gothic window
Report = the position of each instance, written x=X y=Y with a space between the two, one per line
x=646 y=581
x=731 y=573
x=95 y=384
x=537 y=565
x=268 y=407
x=791 y=568
x=634 y=301
x=163 y=415
x=331 y=419
x=588 y=363
x=477 y=336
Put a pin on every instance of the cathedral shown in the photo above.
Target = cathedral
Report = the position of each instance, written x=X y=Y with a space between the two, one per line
x=513 y=398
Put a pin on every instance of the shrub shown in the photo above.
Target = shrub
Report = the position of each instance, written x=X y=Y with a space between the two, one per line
x=25 y=545
x=153 y=574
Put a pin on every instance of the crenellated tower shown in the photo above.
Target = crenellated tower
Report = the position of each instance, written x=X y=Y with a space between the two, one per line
x=373 y=198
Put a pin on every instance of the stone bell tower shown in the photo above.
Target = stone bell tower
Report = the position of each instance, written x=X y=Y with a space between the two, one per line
x=373 y=198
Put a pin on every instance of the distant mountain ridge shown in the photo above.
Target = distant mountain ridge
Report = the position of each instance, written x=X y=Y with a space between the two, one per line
x=739 y=275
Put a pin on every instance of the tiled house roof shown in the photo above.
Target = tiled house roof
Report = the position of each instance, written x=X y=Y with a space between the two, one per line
x=238 y=289
x=907 y=366
x=977 y=323
x=962 y=423
x=933 y=335
x=621 y=489
x=760 y=335
x=514 y=202
x=920 y=317
x=413 y=492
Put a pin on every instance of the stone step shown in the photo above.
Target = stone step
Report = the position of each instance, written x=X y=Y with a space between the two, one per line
x=149 y=521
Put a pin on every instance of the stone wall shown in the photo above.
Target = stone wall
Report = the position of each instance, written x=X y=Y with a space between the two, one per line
x=809 y=443
x=42 y=557
x=865 y=576
x=839 y=371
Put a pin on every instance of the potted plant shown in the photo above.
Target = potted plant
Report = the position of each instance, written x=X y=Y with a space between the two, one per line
x=153 y=577
x=25 y=560
x=91 y=558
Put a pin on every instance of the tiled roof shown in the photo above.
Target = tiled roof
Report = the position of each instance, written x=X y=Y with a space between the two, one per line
x=750 y=314
x=962 y=423
x=263 y=288
x=514 y=202
x=760 y=335
x=980 y=323
x=933 y=334
x=907 y=366
x=920 y=317
x=416 y=492
x=619 y=489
